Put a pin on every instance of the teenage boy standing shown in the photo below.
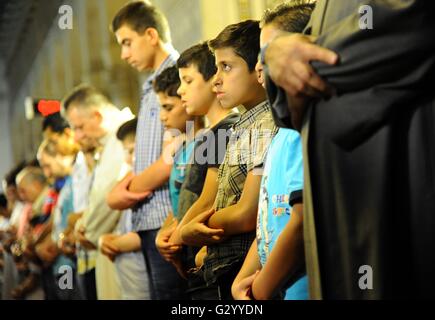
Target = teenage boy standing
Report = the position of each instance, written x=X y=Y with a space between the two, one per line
x=143 y=33
x=196 y=69
x=236 y=83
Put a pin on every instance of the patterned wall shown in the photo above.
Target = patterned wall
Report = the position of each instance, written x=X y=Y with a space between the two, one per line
x=90 y=53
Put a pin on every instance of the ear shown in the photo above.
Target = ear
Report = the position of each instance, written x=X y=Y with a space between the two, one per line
x=96 y=114
x=153 y=36
x=68 y=132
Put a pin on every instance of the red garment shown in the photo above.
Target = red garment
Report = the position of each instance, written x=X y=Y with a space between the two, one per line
x=50 y=202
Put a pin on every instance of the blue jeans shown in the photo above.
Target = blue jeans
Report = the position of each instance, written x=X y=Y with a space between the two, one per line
x=219 y=290
x=165 y=282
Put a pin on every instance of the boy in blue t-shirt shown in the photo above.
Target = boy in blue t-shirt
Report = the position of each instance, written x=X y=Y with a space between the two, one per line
x=274 y=265
x=281 y=188
x=182 y=128
x=279 y=224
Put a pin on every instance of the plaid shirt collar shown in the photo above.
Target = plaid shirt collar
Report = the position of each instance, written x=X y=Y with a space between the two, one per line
x=251 y=115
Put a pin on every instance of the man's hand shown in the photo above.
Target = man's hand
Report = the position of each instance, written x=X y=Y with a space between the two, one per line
x=80 y=237
x=288 y=59
x=197 y=233
x=175 y=238
x=66 y=244
x=12 y=230
x=296 y=106
x=7 y=244
x=46 y=250
x=200 y=256
x=18 y=293
x=167 y=249
x=241 y=290
x=106 y=246
x=29 y=252
x=120 y=198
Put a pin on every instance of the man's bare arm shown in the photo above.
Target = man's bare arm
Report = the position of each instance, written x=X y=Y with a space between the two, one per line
x=240 y=288
x=152 y=177
x=286 y=258
x=203 y=203
x=157 y=174
x=242 y=216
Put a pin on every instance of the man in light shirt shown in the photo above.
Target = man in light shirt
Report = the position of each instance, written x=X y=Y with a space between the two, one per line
x=95 y=121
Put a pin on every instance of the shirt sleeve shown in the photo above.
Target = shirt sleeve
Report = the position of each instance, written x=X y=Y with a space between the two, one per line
x=295 y=197
x=381 y=69
x=99 y=218
x=217 y=145
x=260 y=139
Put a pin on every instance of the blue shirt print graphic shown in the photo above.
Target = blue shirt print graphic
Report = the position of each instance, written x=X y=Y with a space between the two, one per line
x=282 y=175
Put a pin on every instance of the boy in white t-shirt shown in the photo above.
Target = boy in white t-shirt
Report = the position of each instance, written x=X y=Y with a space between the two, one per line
x=123 y=247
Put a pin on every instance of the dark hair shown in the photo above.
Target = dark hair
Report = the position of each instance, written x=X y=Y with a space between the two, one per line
x=12 y=174
x=243 y=38
x=201 y=56
x=3 y=201
x=127 y=129
x=55 y=122
x=289 y=16
x=141 y=15
x=33 y=163
x=85 y=96
x=168 y=82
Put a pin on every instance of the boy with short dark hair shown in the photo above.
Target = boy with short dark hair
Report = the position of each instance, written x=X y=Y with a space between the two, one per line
x=236 y=49
x=196 y=67
x=143 y=34
x=141 y=15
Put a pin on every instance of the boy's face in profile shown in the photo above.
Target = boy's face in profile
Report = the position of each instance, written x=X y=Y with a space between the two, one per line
x=196 y=94
x=268 y=33
x=136 y=49
x=172 y=113
x=234 y=84
x=128 y=143
x=11 y=192
x=65 y=140
x=55 y=167
x=29 y=191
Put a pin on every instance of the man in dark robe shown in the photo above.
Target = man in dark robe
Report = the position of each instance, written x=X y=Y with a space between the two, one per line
x=364 y=83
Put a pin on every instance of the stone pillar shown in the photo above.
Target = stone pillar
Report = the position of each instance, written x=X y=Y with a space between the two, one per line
x=5 y=138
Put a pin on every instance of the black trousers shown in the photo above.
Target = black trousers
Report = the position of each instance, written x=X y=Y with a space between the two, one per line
x=87 y=285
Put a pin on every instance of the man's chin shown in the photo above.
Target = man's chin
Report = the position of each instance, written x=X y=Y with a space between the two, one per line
x=192 y=111
x=140 y=68
x=87 y=149
x=226 y=105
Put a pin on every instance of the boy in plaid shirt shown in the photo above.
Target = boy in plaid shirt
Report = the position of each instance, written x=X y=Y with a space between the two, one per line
x=229 y=228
